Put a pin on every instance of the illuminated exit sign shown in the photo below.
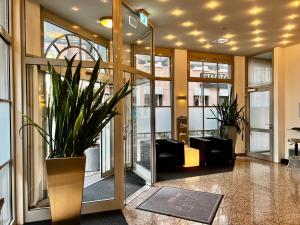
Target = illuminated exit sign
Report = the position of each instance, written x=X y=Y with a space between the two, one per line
x=143 y=19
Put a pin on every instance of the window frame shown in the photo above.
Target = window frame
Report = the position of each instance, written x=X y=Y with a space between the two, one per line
x=163 y=52
x=5 y=36
x=207 y=58
x=71 y=33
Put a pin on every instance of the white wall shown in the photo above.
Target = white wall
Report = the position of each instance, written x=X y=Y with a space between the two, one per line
x=292 y=92
x=33 y=28
x=279 y=104
x=239 y=89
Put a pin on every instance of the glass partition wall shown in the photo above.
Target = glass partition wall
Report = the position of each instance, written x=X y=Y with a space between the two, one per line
x=70 y=30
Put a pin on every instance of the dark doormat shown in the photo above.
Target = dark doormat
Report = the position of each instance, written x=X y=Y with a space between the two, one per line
x=106 y=218
x=180 y=173
x=104 y=189
x=186 y=204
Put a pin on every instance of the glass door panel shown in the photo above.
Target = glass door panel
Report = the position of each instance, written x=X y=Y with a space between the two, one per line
x=142 y=132
x=260 y=123
x=138 y=136
x=260 y=110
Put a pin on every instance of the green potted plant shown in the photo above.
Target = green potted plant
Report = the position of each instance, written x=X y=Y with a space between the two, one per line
x=232 y=119
x=76 y=116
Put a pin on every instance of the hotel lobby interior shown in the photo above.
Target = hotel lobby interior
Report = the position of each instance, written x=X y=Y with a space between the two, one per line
x=159 y=112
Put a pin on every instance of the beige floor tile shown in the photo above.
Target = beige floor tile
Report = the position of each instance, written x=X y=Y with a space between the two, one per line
x=256 y=192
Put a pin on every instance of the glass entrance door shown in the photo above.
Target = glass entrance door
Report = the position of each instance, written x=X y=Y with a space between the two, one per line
x=142 y=138
x=260 y=106
x=261 y=129
x=138 y=137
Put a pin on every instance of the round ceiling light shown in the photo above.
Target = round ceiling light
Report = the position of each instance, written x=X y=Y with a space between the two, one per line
x=106 y=22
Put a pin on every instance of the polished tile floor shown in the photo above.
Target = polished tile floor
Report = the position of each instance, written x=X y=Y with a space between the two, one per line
x=255 y=192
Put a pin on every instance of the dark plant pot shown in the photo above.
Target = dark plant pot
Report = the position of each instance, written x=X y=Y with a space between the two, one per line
x=230 y=132
x=65 y=185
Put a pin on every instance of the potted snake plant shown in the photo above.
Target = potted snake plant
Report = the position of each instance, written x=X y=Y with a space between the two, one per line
x=76 y=116
x=232 y=119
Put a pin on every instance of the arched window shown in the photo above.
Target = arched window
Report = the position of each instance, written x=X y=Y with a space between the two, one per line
x=60 y=43
x=69 y=44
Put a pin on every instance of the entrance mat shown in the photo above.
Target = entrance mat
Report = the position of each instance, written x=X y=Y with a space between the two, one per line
x=115 y=217
x=185 y=204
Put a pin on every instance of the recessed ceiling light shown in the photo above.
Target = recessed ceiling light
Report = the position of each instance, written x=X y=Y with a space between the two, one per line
x=177 y=12
x=75 y=8
x=207 y=46
x=128 y=50
x=287 y=35
x=221 y=40
x=255 y=10
x=129 y=34
x=257 y=31
x=284 y=42
x=147 y=48
x=212 y=5
x=295 y=3
x=95 y=35
x=218 y=18
x=258 y=45
x=170 y=37
x=234 y=49
x=139 y=42
x=195 y=33
x=257 y=39
x=187 y=24
x=231 y=43
x=256 y=22
x=104 y=1
x=178 y=43
x=75 y=27
x=106 y=22
x=292 y=16
x=201 y=40
x=289 y=27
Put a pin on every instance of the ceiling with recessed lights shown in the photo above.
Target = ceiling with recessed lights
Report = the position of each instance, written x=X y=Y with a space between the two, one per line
x=251 y=26
x=236 y=27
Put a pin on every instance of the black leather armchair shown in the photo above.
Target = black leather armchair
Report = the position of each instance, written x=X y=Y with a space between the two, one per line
x=169 y=154
x=213 y=149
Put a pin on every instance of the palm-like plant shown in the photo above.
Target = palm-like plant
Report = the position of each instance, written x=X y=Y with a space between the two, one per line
x=230 y=114
x=76 y=115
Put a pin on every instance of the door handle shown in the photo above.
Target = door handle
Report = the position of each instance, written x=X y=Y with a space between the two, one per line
x=270 y=125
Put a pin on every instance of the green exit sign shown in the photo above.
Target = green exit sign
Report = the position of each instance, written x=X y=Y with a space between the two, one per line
x=144 y=19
